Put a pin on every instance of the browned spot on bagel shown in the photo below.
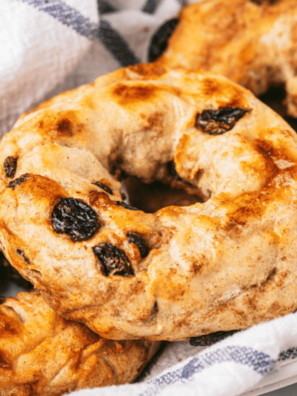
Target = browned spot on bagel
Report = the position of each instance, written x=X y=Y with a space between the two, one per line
x=198 y=264
x=5 y=361
x=41 y=188
x=147 y=70
x=267 y=169
x=9 y=326
x=126 y=94
x=59 y=125
x=64 y=127
x=225 y=93
x=245 y=208
x=275 y=153
x=155 y=122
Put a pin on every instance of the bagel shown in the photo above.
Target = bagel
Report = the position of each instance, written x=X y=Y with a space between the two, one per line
x=152 y=197
x=43 y=354
x=225 y=264
x=252 y=42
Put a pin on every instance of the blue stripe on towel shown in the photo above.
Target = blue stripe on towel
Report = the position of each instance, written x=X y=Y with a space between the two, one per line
x=66 y=15
x=150 y=6
x=116 y=44
x=257 y=361
x=72 y=18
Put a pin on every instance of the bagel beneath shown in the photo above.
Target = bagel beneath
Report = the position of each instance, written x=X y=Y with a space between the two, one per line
x=252 y=42
x=43 y=354
x=182 y=272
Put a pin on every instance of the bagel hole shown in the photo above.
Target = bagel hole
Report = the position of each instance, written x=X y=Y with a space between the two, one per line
x=10 y=277
x=275 y=99
x=154 y=196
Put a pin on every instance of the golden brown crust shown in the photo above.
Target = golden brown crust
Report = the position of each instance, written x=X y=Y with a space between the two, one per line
x=225 y=264
x=43 y=354
x=251 y=42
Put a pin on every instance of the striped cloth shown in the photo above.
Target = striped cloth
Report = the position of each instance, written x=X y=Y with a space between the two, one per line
x=251 y=362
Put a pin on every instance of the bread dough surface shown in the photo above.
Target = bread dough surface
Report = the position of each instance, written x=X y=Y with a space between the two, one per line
x=225 y=264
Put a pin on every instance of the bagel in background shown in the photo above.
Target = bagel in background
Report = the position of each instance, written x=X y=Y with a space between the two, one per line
x=225 y=264
x=252 y=42
x=47 y=355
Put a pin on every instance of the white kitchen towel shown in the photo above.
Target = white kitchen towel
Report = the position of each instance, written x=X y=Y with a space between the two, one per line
x=229 y=368
x=48 y=46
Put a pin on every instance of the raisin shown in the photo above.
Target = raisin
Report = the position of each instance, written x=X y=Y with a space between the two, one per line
x=216 y=122
x=113 y=260
x=16 y=182
x=104 y=187
x=210 y=339
x=139 y=242
x=2 y=300
x=125 y=205
x=20 y=253
x=75 y=218
x=159 y=40
x=171 y=169
x=10 y=165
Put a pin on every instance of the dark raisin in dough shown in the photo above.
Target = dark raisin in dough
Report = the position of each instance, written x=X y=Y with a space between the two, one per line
x=20 y=253
x=216 y=122
x=171 y=169
x=16 y=182
x=113 y=260
x=74 y=218
x=159 y=40
x=212 y=338
x=10 y=165
x=104 y=187
x=139 y=242
x=125 y=205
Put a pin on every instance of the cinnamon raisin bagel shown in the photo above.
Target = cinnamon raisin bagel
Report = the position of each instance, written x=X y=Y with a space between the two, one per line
x=252 y=42
x=225 y=264
x=43 y=354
